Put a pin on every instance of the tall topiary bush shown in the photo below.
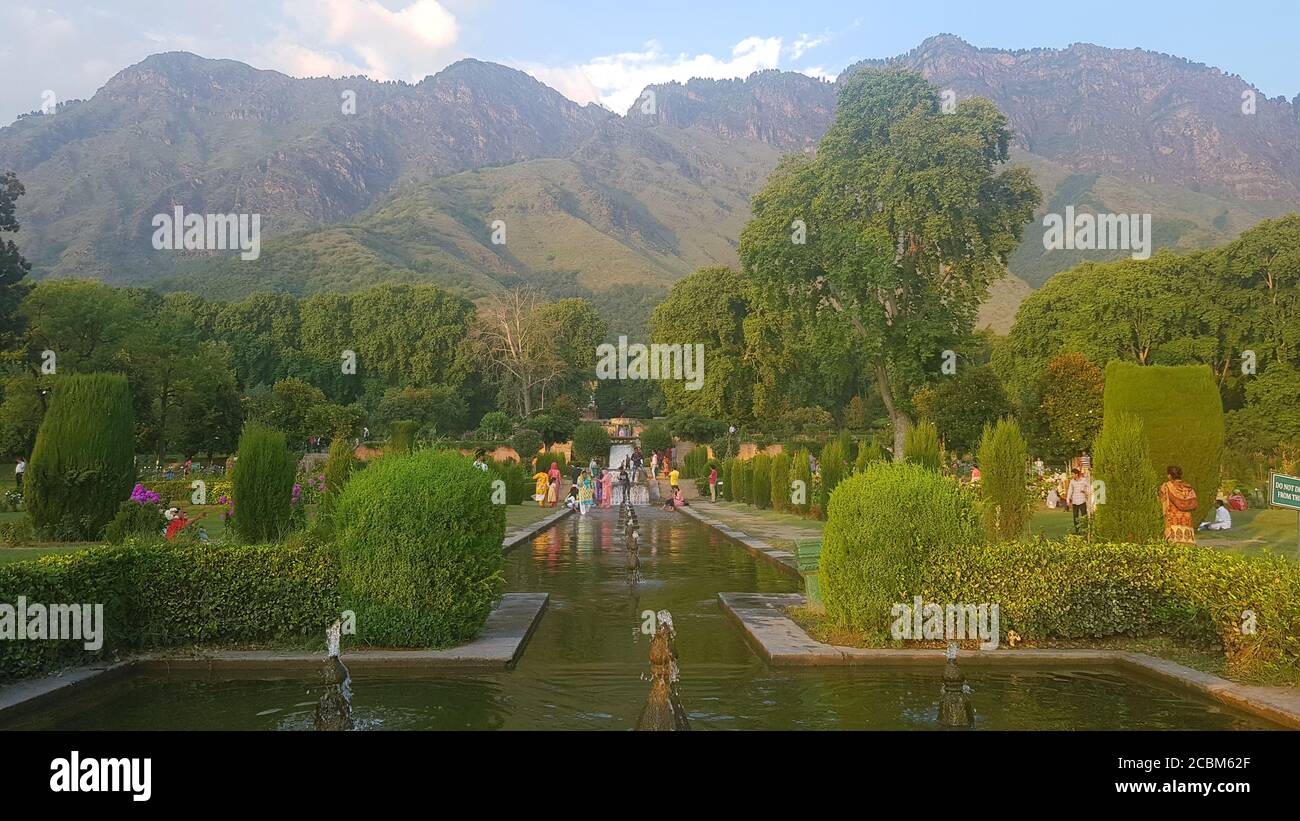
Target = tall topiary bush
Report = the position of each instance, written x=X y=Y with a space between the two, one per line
x=262 y=485
x=83 y=464
x=833 y=465
x=868 y=452
x=590 y=441
x=781 y=481
x=1129 y=510
x=743 y=475
x=882 y=528
x=1182 y=417
x=696 y=463
x=542 y=462
x=921 y=446
x=419 y=544
x=401 y=435
x=1003 y=461
x=761 y=490
x=800 y=472
x=338 y=469
x=727 y=474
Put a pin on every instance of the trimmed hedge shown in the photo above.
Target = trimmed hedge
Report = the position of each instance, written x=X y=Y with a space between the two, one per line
x=1004 y=461
x=163 y=594
x=1129 y=511
x=1182 y=416
x=881 y=528
x=1073 y=589
x=419 y=544
x=781 y=481
x=519 y=483
x=542 y=462
x=696 y=463
x=833 y=466
x=760 y=494
x=83 y=463
x=262 y=485
x=800 y=472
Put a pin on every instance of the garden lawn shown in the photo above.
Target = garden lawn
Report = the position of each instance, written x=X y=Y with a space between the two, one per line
x=519 y=516
x=1254 y=532
x=22 y=554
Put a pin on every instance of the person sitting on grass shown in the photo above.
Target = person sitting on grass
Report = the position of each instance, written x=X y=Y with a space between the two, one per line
x=1222 y=518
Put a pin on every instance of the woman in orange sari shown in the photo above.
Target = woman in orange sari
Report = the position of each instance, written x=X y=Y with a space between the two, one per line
x=1178 y=501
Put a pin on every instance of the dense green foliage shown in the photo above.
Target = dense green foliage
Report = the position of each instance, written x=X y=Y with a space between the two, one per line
x=401 y=435
x=868 y=452
x=1064 y=408
x=655 y=438
x=901 y=282
x=135 y=519
x=1128 y=508
x=801 y=472
x=695 y=465
x=542 y=462
x=1182 y=417
x=881 y=529
x=833 y=464
x=162 y=594
x=781 y=481
x=921 y=447
x=419 y=543
x=760 y=491
x=1096 y=590
x=83 y=465
x=961 y=405
x=1004 y=464
x=526 y=443
x=262 y=485
x=339 y=466
x=590 y=441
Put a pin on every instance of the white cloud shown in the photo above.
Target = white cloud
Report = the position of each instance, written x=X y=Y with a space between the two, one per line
x=805 y=43
x=339 y=37
x=617 y=80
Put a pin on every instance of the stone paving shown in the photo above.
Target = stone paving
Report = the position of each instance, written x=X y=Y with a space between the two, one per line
x=780 y=557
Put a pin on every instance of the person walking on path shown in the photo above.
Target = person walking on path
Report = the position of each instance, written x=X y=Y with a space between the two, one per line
x=1076 y=495
x=713 y=483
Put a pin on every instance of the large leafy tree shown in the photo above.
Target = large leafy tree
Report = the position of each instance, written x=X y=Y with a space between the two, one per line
x=962 y=405
x=13 y=267
x=709 y=308
x=907 y=218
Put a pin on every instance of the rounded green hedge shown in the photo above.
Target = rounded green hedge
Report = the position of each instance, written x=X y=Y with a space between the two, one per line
x=83 y=463
x=882 y=526
x=419 y=543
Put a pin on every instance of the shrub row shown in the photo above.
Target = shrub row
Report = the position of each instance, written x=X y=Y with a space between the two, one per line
x=162 y=594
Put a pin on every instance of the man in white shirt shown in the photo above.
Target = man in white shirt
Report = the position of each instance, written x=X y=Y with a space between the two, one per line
x=1222 y=518
x=19 y=470
x=1076 y=495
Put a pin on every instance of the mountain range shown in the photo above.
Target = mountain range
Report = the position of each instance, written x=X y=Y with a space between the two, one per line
x=358 y=181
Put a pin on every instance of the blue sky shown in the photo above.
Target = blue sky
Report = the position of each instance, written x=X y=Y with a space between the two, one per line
x=607 y=51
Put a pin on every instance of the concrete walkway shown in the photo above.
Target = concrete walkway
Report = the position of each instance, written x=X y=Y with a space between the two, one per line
x=779 y=641
x=782 y=558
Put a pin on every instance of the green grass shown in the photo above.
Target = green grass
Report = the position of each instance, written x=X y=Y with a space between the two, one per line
x=518 y=516
x=1253 y=533
x=22 y=554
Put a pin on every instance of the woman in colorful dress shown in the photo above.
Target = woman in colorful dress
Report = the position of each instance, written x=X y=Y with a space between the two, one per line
x=585 y=492
x=541 y=483
x=1178 y=502
x=606 y=488
x=553 y=488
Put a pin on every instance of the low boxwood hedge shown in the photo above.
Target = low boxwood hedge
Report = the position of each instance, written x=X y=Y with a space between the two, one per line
x=1248 y=606
x=162 y=594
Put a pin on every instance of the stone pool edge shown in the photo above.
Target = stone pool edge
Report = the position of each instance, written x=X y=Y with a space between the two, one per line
x=780 y=642
x=517 y=537
x=782 y=559
x=509 y=627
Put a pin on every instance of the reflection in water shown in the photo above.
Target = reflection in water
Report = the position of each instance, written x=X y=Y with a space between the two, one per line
x=585 y=664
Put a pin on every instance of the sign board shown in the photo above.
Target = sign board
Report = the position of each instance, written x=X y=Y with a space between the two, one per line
x=1284 y=491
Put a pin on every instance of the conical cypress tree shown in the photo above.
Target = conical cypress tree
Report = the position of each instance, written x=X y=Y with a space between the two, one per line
x=83 y=464
x=262 y=485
